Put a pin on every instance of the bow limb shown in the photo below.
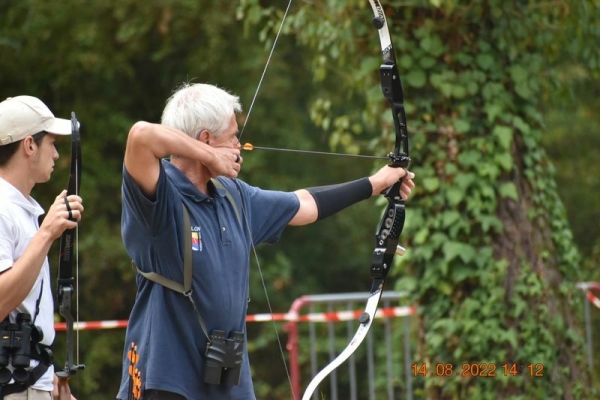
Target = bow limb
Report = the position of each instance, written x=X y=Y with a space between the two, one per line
x=391 y=87
x=68 y=242
x=359 y=336
x=391 y=225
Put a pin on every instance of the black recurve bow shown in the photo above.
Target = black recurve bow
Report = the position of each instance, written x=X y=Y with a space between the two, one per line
x=391 y=224
x=65 y=268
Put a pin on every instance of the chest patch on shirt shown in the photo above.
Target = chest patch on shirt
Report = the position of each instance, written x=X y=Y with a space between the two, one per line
x=196 y=239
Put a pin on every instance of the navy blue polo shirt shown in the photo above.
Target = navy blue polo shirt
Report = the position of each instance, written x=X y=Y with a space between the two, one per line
x=163 y=326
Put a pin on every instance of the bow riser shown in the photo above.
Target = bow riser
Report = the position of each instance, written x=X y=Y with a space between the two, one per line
x=386 y=239
x=392 y=91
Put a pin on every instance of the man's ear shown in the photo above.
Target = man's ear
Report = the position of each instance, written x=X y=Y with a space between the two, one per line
x=204 y=136
x=29 y=145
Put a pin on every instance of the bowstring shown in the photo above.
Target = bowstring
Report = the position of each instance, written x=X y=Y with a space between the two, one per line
x=264 y=72
x=77 y=183
x=262 y=278
x=264 y=285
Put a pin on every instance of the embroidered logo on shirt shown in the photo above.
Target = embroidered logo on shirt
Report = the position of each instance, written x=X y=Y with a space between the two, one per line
x=196 y=239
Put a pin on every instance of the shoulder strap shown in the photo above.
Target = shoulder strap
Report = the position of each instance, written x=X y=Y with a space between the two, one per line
x=187 y=263
x=187 y=256
x=186 y=288
x=219 y=185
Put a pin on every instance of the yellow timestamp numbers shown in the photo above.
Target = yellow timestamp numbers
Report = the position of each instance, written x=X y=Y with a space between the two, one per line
x=484 y=370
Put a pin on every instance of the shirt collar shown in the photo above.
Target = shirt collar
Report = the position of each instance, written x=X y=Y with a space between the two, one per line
x=13 y=195
x=186 y=187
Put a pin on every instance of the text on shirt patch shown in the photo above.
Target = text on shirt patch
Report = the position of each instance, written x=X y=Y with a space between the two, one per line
x=196 y=239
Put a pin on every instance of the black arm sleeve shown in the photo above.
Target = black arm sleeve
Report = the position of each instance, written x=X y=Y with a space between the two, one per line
x=333 y=198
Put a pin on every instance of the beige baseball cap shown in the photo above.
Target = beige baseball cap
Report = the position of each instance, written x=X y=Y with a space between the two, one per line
x=23 y=116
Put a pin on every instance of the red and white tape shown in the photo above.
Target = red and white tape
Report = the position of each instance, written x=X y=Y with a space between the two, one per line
x=287 y=317
x=591 y=289
x=333 y=316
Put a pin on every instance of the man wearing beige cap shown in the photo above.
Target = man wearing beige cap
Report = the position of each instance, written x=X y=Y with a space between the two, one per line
x=28 y=130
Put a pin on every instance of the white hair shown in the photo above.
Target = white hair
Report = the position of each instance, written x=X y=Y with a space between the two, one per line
x=195 y=107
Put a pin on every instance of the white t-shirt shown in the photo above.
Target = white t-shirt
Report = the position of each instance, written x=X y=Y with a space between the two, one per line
x=18 y=224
